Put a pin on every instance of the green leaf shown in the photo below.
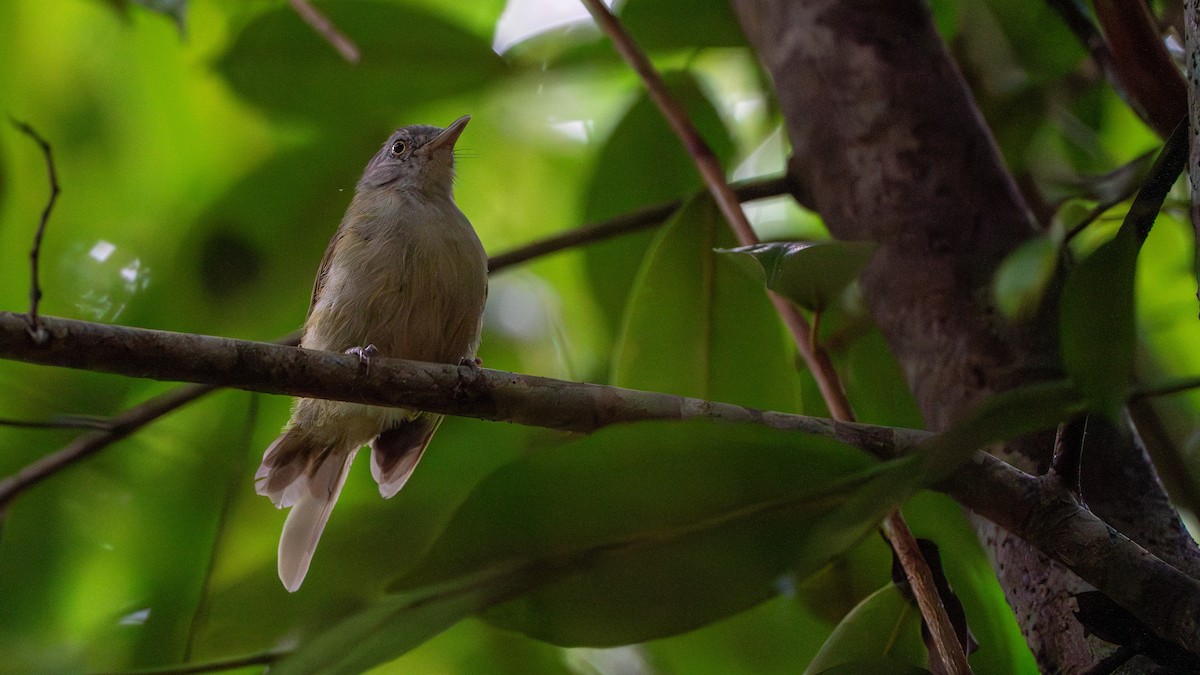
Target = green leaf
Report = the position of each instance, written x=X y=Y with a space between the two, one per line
x=392 y=626
x=1096 y=322
x=695 y=326
x=662 y=527
x=682 y=24
x=643 y=163
x=1022 y=279
x=810 y=274
x=885 y=628
x=408 y=56
x=1000 y=417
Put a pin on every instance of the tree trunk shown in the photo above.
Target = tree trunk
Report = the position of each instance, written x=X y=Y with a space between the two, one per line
x=888 y=142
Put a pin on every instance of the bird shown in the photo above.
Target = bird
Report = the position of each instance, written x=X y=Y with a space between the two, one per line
x=404 y=276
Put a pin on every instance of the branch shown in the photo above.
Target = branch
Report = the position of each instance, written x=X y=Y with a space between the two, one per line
x=325 y=28
x=35 y=290
x=435 y=387
x=634 y=221
x=1039 y=510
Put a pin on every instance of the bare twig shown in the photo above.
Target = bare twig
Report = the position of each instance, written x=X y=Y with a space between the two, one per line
x=924 y=589
x=634 y=221
x=325 y=28
x=35 y=289
x=119 y=427
x=60 y=422
x=814 y=356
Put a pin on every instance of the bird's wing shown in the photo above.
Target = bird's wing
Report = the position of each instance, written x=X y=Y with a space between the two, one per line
x=323 y=270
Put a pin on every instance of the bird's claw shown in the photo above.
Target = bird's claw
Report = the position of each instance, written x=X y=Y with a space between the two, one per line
x=364 y=354
x=470 y=372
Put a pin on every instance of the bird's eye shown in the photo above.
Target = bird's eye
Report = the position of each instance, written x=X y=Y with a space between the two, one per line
x=398 y=148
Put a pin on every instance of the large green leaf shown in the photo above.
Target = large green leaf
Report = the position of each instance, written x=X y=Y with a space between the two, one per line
x=811 y=274
x=885 y=628
x=1024 y=410
x=643 y=163
x=661 y=527
x=392 y=626
x=682 y=24
x=695 y=326
x=1022 y=279
x=1096 y=322
x=408 y=56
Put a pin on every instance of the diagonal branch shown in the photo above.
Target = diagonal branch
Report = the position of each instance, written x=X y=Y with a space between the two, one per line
x=1039 y=510
x=326 y=29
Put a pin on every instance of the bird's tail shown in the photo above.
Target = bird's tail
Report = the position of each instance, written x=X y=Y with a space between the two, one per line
x=307 y=475
x=395 y=452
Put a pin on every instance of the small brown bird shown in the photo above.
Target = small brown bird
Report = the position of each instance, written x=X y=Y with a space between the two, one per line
x=406 y=277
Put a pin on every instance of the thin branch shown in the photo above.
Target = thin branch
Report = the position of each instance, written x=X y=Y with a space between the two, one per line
x=438 y=387
x=817 y=359
x=1039 y=510
x=35 y=289
x=60 y=422
x=634 y=221
x=924 y=589
x=325 y=28
x=119 y=427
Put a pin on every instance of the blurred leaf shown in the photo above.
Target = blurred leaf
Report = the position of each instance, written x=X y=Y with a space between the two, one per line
x=810 y=274
x=884 y=628
x=1096 y=322
x=697 y=327
x=175 y=9
x=1023 y=276
x=279 y=62
x=392 y=626
x=746 y=504
x=682 y=24
x=1109 y=188
x=1042 y=44
x=643 y=163
x=999 y=417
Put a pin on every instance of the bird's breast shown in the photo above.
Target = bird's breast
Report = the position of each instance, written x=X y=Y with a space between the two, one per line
x=413 y=292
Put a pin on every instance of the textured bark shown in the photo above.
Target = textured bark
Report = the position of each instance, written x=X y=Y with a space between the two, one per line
x=891 y=147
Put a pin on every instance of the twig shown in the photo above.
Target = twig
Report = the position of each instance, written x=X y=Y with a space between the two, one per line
x=325 y=28
x=634 y=221
x=35 y=289
x=924 y=589
x=60 y=422
x=816 y=358
x=119 y=427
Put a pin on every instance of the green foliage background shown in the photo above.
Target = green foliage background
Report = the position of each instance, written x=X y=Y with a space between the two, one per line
x=202 y=176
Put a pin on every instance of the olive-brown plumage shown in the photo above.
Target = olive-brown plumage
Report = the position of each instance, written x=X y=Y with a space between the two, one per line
x=405 y=273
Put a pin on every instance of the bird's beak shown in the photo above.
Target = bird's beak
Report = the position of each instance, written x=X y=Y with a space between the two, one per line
x=450 y=134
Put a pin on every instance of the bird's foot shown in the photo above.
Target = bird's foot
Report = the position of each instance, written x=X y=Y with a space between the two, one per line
x=364 y=354
x=469 y=374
